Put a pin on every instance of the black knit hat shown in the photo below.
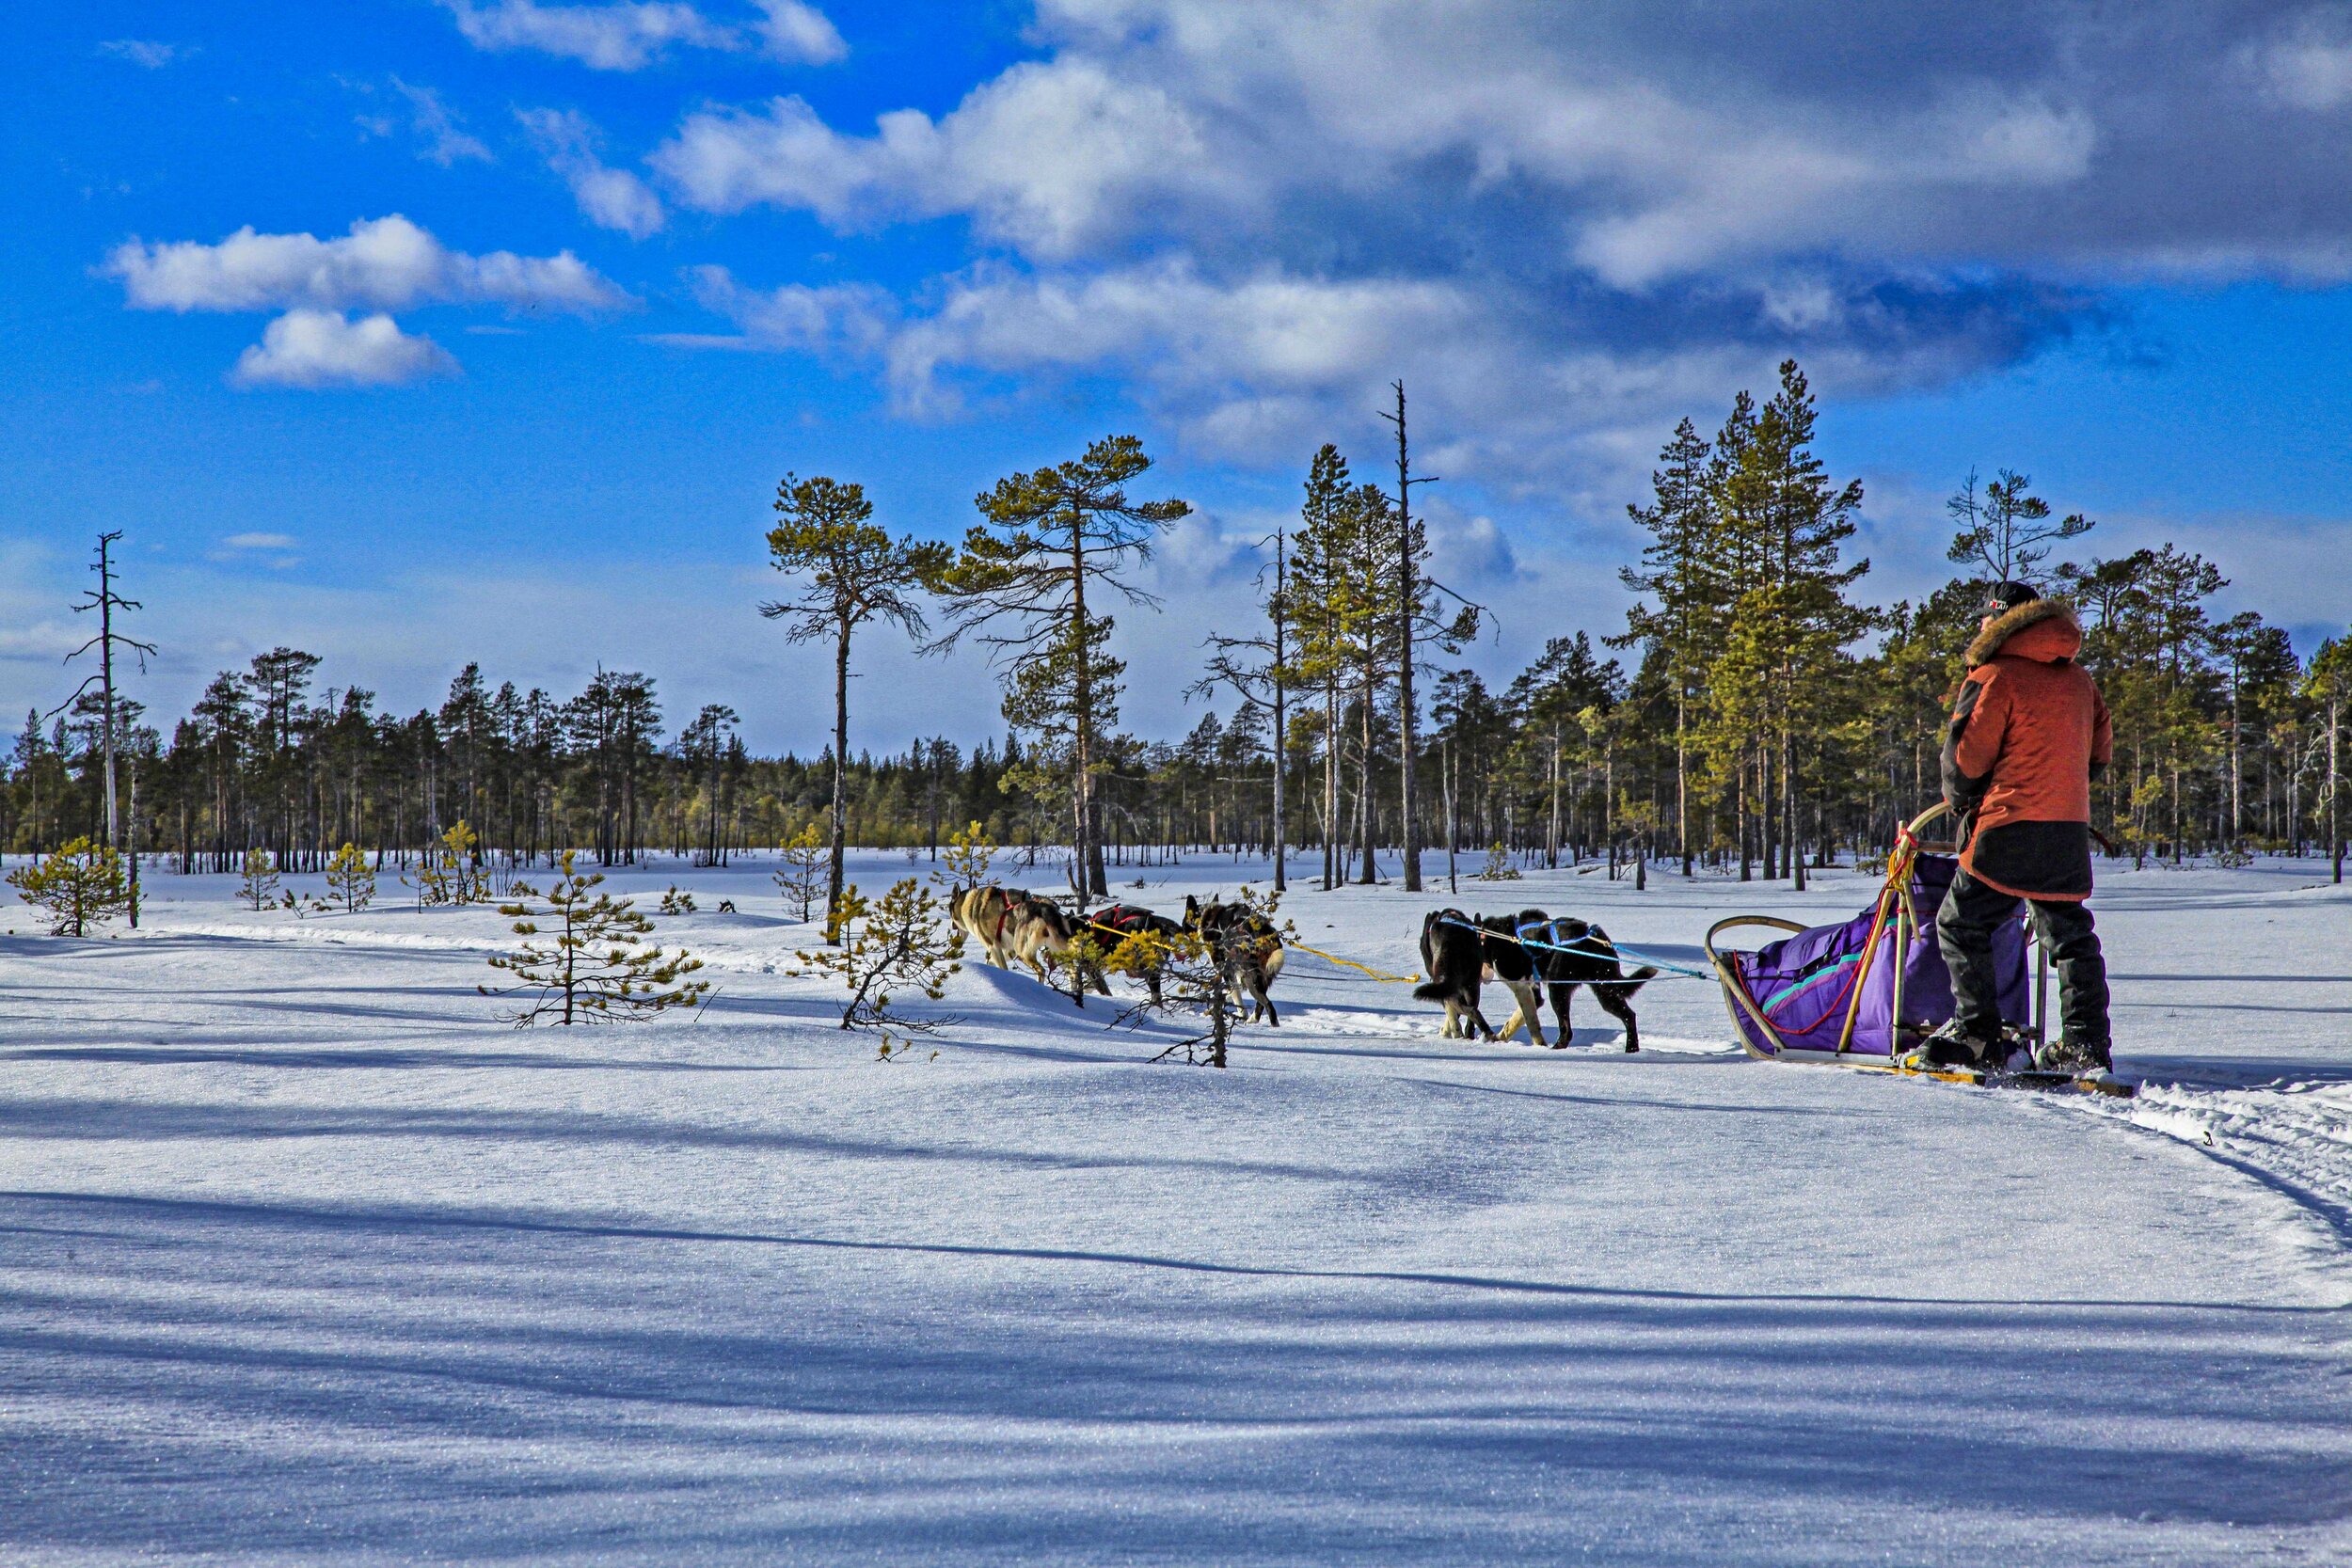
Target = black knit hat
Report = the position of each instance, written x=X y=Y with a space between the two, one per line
x=2005 y=596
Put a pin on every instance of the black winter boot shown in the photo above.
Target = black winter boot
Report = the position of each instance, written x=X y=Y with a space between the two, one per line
x=2069 y=1055
x=1950 y=1045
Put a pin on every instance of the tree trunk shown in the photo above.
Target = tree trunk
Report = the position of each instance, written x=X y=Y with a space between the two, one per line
x=1452 y=833
x=1795 y=850
x=1084 y=867
x=1682 y=763
x=135 y=845
x=1408 y=595
x=1332 y=872
x=1364 y=824
x=833 y=871
x=1551 y=830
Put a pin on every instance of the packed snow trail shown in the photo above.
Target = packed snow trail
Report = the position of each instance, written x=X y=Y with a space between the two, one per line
x=304 y=1258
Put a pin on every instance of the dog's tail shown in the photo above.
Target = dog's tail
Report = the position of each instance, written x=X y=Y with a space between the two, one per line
x=1632 y=982
x=1433 y=991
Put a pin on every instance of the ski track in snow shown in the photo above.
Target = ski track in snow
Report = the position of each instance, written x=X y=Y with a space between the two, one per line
x=2299 y=1133
x=303 y=1258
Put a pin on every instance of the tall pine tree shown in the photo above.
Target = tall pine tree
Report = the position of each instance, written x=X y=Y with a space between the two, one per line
x=852 y=572
x=1046 y=540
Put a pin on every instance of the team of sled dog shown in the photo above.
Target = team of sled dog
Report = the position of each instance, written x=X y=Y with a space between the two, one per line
x=1530 y=955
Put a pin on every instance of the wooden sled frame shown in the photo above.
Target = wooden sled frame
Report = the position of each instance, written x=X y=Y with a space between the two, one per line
x=1895 y=911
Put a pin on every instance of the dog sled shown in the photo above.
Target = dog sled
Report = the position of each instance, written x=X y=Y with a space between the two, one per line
x=1864 y=992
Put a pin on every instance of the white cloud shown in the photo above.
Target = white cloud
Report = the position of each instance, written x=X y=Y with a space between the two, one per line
x=625 y=37
x=1156 y=120
x=259 y=541
x=445 y=141
x=2309 y=65
x=1050 y=157
x=1269 y=333
x=148 y=54
x=326 y=348
x=384 y=263
x=1561 y=225
x=835 y=318
x=633 y=34
x=796 y=31
x=608 y=198
x=45 y=641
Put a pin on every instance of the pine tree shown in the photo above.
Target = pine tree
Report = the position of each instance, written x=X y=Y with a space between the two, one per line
x=2259 y=664
x=1328 y=608
x=707 y=746
x=448 y=869
x=2150 y=640
x=588 y=971
x=1499 y=868
x=1046 y=539
x=1692 y=595
x=349 y=879
x=2006 y=528
x=80 y=887
x=903 y=942
x=855 y=573
x=1189 y=975
x=1258 y=670
x=969 y=853
x=1557 y=701
x=104 y=600
x=1782 y=525
x=259 y=884
x=803 y=880
x=2329 y=686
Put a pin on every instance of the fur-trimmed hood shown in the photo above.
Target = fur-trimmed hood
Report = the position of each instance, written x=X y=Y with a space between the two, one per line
x=2043 y=630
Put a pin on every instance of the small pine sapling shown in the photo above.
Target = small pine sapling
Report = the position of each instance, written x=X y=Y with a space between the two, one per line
x=258 y=887
x=1192 y=979
x=80 y=888
x=965 y=862
x=1498 y=866
x=902 y=942
x=587 y=971
x=350 y=881
x=803 y=880
x=674 y=902
x=447 y=873
x=1088 y=955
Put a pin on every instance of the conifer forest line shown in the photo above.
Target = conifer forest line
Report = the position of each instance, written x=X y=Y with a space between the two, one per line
x=1756 y=714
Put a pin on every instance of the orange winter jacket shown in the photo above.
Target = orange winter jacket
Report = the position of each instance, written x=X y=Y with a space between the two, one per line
x=2028 y=734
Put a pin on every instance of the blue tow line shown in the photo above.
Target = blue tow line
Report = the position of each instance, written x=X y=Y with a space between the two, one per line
x=1681 y=970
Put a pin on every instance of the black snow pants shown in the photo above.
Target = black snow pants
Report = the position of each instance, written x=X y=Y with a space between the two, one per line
x=1963 y=929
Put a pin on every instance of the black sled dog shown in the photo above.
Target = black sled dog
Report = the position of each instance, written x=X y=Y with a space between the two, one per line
x=1523 y=953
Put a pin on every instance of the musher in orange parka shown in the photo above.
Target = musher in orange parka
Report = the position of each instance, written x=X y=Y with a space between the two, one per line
x=2028 y=735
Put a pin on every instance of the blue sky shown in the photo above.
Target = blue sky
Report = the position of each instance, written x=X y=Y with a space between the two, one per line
x=539 y=301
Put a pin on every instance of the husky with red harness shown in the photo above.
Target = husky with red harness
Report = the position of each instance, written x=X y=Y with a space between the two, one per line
x=984 y=914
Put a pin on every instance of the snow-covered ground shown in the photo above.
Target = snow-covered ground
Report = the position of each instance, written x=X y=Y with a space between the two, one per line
x=305 y=1257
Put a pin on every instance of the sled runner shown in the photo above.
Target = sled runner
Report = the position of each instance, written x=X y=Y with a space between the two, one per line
x=1864 y=992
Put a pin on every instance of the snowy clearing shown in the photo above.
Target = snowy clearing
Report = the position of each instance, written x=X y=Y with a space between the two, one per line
x=304 y=1256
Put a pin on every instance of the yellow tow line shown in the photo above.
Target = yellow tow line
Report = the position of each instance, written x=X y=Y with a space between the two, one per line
x=1350 y=963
